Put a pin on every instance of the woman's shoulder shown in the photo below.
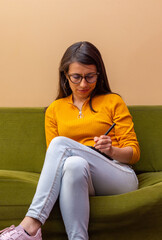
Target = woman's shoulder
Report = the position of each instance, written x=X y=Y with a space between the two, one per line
x=112 y=98
x=58 y=102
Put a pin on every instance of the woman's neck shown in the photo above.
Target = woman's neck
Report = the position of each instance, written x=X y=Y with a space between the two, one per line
x=79 y=102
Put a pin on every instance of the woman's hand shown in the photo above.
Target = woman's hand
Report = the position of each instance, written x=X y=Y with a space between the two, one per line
x=104 y=144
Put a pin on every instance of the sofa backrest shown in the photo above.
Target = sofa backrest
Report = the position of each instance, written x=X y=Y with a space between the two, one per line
x=22 y=138
x=148 y=127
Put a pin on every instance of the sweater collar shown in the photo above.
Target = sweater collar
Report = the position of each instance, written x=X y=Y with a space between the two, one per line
x=70 y=99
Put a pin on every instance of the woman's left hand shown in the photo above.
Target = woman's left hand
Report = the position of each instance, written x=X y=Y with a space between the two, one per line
x=103 y=144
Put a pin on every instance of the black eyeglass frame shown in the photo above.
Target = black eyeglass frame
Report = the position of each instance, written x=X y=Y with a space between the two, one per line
x=81 y=77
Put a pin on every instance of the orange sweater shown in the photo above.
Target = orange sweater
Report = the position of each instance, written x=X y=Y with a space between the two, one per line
x=63 y=119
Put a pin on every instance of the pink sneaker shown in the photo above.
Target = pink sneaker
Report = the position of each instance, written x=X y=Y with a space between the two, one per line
x=18 y=233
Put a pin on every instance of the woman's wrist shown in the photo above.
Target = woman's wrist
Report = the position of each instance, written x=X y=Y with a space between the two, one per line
x=123 y=155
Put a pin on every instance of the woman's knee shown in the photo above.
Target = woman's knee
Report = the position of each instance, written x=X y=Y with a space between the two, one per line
x=61 y=141
x=57 y=140
x=76 y=166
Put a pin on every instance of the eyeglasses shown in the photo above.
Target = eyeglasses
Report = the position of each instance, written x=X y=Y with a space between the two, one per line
x=77 y=78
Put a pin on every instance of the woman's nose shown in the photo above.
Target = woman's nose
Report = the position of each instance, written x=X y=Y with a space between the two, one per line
x=83 y=82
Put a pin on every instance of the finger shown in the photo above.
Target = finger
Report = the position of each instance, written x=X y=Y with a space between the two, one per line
x=96 y=139
x=103 y=147
x=104 y=141
x=104 y=137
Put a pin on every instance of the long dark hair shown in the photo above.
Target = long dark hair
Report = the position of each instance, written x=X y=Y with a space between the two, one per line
x=85 y=53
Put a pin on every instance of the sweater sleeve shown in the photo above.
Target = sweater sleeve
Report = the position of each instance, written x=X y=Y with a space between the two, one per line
x=51 y=130
x=124 y=129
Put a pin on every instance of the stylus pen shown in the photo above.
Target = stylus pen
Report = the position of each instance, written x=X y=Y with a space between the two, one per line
x=110 y=129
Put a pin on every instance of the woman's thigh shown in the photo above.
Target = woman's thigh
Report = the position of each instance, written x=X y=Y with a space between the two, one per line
x=111 y=177
x=108 y=176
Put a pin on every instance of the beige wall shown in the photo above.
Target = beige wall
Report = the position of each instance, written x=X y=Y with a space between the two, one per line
x=35 y=33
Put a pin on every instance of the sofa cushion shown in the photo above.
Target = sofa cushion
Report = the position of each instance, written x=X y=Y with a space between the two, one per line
x=17 y=189
x=111 y=213
x=150 y=178
x=22 y=139
x=121 y=212
x=148 y=127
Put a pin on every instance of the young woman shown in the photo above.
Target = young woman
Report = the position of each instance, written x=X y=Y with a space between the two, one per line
x=80 y=116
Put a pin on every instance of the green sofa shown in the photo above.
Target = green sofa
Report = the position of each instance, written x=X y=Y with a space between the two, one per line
x=135 y=215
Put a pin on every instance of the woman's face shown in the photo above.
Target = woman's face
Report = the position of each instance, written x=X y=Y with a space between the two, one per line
x=81 y=91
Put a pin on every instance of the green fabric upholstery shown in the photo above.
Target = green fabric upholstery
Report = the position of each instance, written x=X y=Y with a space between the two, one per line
x=148 y=128
x=22 y=139
x=134 y=215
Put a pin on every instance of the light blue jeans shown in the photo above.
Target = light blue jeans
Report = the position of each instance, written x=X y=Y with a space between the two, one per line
x=73 y=171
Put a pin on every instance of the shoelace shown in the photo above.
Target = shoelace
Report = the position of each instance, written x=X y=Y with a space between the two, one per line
x=5 y=233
